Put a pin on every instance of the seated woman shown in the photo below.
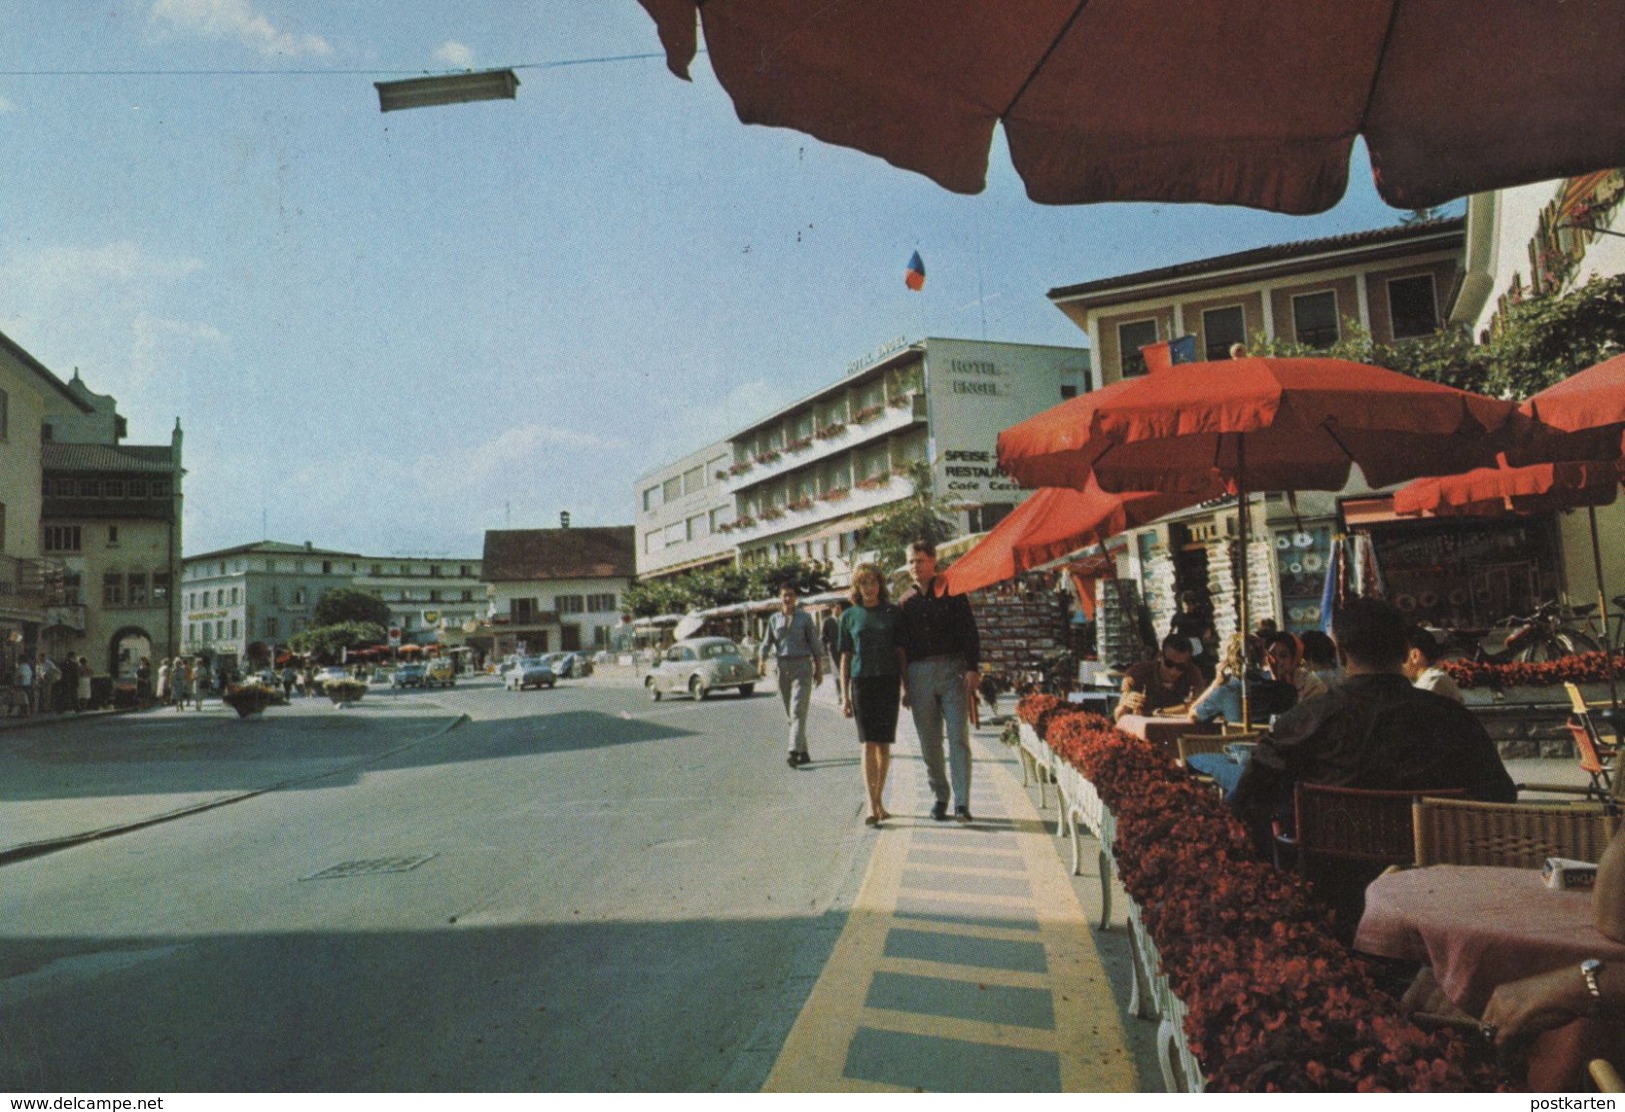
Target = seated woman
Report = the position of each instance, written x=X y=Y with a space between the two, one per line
x=1266 y=696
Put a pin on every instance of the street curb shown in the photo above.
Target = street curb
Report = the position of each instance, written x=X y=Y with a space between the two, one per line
x=40 y=849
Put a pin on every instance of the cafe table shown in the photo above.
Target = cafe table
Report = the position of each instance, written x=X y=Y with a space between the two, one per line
x=1163 y=730
x=1479 y=927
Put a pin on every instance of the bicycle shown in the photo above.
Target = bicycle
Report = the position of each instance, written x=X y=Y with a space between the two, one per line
x=1552 y=632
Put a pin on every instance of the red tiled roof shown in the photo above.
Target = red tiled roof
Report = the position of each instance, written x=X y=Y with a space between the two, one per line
x=605 y=552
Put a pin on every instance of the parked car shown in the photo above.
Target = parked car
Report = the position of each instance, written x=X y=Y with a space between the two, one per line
x=331 y=672
x=531 y=671
x=699 y=666
x=409 y=675
x=440 y=673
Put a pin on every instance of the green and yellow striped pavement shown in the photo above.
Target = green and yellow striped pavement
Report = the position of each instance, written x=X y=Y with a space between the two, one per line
x=966 y=964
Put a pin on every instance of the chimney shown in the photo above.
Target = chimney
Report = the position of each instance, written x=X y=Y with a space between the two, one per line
x=564 y=519
x=309 y=547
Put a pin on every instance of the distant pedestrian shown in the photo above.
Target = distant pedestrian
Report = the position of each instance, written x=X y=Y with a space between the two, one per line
x=70 y=682
x=143 y=683
x=830 y=634
x=46 y=673
x=870 y=647
x=25 y=685
x=287 y=680
x=180 y=678
x=81 y=692
x=799 y=659
x=163 y=682
x=200 y=683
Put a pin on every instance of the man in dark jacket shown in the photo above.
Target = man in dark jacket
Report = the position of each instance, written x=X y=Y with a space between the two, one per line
x=944 y=677
x=1371 y=730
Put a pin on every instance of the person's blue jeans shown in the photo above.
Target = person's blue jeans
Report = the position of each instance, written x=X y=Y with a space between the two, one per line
x=1223 y=768
x=936 y=689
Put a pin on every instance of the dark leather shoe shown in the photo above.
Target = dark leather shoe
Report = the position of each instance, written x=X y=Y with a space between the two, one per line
x=791 y=760
x=962 y=814
x=804 y=758
x=939 y=811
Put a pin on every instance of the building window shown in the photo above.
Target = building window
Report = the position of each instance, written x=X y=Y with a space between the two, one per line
x=378 y=569
x=468 y=596
x=570 y=604
x=1314 y=319
x=112 y=589
x=234 y=629
x=90 y=488
x=273 y=595
x=651 y=541
x=113 y=488
x=299 y=596
x=651 y=499
x=160 y=588
x=522 y=609
x=693 y=479
x=236 y=595
x=1412 y=308
x=327 y=567
x=138 y=488
x=1131 y=338
x=1221 y=328
x=136 y=588
x=220 y=597
x=601 y=604
x=672 y=489
x=270 y=627
x=73 y=593
x=62 y=538
x=1068 y=391
x=112 y=536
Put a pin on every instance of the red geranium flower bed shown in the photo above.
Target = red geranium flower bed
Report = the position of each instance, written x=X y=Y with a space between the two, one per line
x=1580 y=668
x=1274 y=1002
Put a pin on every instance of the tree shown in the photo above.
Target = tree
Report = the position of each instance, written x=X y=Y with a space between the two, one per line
x=349 y=604
x=917 y=517
x=327 y=641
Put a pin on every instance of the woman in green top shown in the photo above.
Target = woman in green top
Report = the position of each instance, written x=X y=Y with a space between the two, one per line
x=872 y=674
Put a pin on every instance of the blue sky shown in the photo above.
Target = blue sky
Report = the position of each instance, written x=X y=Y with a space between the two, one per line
x=389 y=333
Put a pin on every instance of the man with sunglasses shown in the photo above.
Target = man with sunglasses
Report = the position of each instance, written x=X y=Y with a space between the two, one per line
x=1166 y=684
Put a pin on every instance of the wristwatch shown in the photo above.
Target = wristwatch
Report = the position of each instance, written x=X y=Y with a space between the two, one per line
x=1590 y=969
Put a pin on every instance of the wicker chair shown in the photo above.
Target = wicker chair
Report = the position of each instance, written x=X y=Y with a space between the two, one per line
x=1516 y=835
x=1345 y=838
x=1191 y=744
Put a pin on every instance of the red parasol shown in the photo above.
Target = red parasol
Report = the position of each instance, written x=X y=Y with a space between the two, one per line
x=1534 y=488
x=1246 y=102
x=1052 y=523
x=1300 y=422
x=1257 y=424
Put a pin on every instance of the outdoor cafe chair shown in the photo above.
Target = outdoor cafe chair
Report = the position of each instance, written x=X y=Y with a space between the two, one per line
x=1192 y=744
x=1346 y=837
x=1512 y=835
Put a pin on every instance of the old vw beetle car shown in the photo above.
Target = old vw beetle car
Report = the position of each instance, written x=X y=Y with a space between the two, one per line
x=529 y=671
x=699 y=666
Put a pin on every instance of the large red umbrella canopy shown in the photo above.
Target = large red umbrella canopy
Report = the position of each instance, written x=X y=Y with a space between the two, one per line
x=1249 y=102
x=1257 y=424
x=1534 y=488
x=1050 y=524
x=1580 y=418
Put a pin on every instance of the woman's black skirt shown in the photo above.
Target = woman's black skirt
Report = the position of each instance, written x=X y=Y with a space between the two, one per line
x=874 y=707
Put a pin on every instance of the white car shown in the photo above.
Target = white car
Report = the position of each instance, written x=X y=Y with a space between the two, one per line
x=699 y=666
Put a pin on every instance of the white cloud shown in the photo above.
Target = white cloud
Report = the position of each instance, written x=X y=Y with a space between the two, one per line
x=527 y=450
x=455 y=54
x=236 y=20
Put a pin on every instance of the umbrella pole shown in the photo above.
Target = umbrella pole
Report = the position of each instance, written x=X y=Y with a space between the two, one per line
x=1602 y=608
x=1241 y=596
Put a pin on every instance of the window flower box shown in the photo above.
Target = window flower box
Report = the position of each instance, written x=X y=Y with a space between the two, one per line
x=826 y=432
x=874 y=482
x=772 y=513
x=740 y=467
x=770 y=456
x=800 y=444
x=898 y=401
x=834 y=494
x=868 y=413
x=805 y=502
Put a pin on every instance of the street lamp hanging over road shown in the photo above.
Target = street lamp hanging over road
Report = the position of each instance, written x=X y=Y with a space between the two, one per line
x=451 y=88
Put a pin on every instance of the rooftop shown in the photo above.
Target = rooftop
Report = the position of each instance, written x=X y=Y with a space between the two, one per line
x=603 y=552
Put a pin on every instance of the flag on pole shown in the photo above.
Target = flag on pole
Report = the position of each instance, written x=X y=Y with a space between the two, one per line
x=914 y=279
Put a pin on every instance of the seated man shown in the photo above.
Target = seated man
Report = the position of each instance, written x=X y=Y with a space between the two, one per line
x=1372 y=730
x=1163 y=685
x=1283 y=656
x=1422 y=663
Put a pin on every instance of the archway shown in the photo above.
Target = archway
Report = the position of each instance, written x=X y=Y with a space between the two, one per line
x=125 y=651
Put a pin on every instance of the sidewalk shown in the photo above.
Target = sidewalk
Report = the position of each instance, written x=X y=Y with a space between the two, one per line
x=70 y=778
x=967 y=963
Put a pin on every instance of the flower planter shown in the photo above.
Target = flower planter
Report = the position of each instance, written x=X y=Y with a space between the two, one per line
x=250 y=699
x=342 y=692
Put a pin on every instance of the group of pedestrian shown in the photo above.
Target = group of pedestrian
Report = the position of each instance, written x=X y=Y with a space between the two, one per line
x=183 y=681
x=35 y=684
x=922 y=652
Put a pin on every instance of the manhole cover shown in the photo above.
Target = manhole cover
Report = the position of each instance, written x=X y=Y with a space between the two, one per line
x=372 y=867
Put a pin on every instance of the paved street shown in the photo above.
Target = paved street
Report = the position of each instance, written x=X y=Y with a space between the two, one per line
x=559 y=890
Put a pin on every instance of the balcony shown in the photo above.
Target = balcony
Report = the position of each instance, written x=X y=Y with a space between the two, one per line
x=863 y=496
x=864 y=426
x=31 y=583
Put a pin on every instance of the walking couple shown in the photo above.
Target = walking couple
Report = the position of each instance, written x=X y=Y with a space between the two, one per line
x=922 y=653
